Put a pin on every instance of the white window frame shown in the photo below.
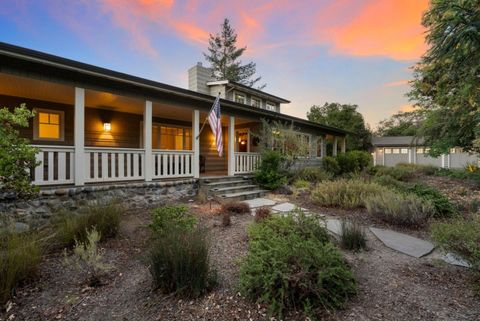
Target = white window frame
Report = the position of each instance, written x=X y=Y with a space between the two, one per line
x=235 y=93
x=252 y=98
x=271 y=104
x=36 y=124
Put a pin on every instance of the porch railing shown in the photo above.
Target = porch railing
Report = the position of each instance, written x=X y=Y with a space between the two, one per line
x=246 y=162
x=104 y=164
x=172 y=163
x=55 y=165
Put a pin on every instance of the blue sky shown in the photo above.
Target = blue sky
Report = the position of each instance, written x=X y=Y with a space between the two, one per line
x=310 y=52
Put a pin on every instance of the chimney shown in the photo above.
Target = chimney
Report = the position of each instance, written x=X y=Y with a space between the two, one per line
x=198 y=76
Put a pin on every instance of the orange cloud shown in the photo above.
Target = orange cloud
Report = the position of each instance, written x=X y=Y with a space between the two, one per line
x=389 y=28
x=396 y=83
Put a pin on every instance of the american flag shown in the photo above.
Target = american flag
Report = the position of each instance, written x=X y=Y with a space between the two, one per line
x=215 y=121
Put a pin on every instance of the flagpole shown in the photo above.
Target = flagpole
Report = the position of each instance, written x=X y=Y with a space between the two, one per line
x=206 y=118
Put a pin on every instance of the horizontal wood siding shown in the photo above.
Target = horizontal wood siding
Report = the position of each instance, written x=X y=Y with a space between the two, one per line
x=208 y=149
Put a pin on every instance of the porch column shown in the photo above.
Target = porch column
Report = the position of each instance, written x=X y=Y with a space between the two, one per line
x=231 y=146
x=323 y=147
x=383 y=156
x=335 y=146
x=344 y=144
x=79 y=137
x=410 y=159
x=196 y=143
x=147 y=141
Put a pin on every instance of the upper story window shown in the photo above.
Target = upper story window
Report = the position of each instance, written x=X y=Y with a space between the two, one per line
x=255 y=102
x=271 y=106
x=239 y=98
x=48 y=125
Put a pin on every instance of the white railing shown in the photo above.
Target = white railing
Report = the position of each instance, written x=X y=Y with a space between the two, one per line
x=55 y=165
x=246 y=162
x=104 y=164
x=172 y=163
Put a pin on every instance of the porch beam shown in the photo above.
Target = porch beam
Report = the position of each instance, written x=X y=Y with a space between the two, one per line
x=231 y=146
x=196 y=143
x=147 y=141
x=79 y=137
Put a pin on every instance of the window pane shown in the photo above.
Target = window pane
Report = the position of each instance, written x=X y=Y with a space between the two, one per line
x=48 y=131
x=43 y=118
x=55 y=119
x=404 y=151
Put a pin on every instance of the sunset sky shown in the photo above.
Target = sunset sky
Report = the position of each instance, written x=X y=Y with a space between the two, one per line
x=309 y=51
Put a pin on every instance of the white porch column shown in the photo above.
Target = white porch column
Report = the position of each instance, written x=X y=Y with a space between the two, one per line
x=344 y=144
x=231 y=146
x=147 y=141
x=79 y=137
x=324 y=147
x=335 y=146
x=383 y=156
x=196 y=143
x=410 y=159
x=414 y=155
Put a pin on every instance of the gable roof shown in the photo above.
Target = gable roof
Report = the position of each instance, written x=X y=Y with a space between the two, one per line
x=28 y=62
x=250 y=90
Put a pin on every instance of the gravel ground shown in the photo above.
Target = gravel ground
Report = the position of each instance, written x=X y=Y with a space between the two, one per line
x=392 y=286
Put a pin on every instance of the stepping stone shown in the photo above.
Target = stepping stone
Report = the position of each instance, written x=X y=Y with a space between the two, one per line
x=259 y=202
x=403 y=243
x=287 y=207
x=334 y=226
x=454 y=259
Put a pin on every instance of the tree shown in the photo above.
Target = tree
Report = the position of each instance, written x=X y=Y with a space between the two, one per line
x=343 y=116
x=17 y=157
x=446 y=83
x=401 y=124
x=223 y=56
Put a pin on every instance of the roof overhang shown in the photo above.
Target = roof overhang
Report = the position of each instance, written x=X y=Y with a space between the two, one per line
x=252 y=91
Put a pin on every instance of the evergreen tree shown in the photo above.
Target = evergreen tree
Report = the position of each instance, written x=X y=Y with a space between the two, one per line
x=223 y=56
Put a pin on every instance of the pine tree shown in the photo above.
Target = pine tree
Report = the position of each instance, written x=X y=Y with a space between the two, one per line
x=223 y=56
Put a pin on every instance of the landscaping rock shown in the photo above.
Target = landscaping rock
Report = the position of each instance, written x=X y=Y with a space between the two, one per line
x=454 y=259
x=334 y=226
x=287 y=207
x=259 y=202
x=403 y=243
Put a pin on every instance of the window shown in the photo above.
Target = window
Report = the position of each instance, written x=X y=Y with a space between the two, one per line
x=256 y=102
x=271 y=106
x=420 y=150
x=169 y=137
x=452 y=150
x=48 y=125
x=388 y=150
x=239 y=98
x=404 y=151
x=396 y=151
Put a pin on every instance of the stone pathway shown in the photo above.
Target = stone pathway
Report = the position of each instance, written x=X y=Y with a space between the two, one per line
x=400 y=242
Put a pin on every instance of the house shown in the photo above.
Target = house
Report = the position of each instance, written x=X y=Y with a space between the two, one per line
x=96 y=125
x=393 y=150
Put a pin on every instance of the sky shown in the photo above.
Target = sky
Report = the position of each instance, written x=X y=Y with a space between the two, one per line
x=308 y=51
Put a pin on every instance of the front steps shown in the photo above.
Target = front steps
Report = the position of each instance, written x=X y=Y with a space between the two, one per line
x=231 y=188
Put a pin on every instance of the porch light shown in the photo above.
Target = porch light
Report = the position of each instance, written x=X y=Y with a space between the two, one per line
x=107 y=127
x=243 y=142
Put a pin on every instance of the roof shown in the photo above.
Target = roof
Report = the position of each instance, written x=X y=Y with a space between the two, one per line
x=250 y=90
x=397 y=141
x=28 y=62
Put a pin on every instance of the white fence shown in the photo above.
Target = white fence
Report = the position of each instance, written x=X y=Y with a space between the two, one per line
x=172 y=163
x=246 y=162
x=56 y=165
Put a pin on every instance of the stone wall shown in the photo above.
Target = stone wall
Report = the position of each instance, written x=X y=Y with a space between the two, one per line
x=23 y=214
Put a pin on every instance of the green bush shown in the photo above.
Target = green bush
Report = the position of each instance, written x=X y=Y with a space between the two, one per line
x=172 y=217
x=330 y=165
x=20 y=256
x=390 y=182
x=289 y=268
x=352 y=236
x=270 y=172
x=460 y=236
x=399 y=209
x=400 y=173
x=344 y=193
x=313 y=174
x=443 y=207
x=104 y=217
x=461 y=174
x=179 y=263
x=353 y=161
x=301 y=183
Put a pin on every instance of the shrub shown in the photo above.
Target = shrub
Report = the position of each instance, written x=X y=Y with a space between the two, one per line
x=461 y=236
x=344 y=193
x=262 y=213
x=398 y=209
x=353 y=161
x=234 y=207
x=424 y=169
x=443 y=207
x=389 y=181
x=226 y=219
x=300 y=183
x=330 y=165
x=287 y=269
x=88 y=259
x=17 y=156
x=104 y=217
x=313 y=174
x=20 y=256
x=352 y=235
x=170 y=217
x=270 y=172
x=179 y=263
x=400 y=173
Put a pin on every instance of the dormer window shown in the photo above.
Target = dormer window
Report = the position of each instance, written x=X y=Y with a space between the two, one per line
x=271 y=106
x=239 y=98
x=256 y=102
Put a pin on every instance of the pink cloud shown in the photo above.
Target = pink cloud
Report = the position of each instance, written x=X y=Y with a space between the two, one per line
x=397 y=83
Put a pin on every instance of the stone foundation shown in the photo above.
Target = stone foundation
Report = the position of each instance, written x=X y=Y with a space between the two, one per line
x=36 y=212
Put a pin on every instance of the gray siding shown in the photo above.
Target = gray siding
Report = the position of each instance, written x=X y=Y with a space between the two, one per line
x=198 y=76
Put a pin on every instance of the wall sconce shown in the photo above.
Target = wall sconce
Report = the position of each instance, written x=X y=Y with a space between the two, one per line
x=107 y=127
